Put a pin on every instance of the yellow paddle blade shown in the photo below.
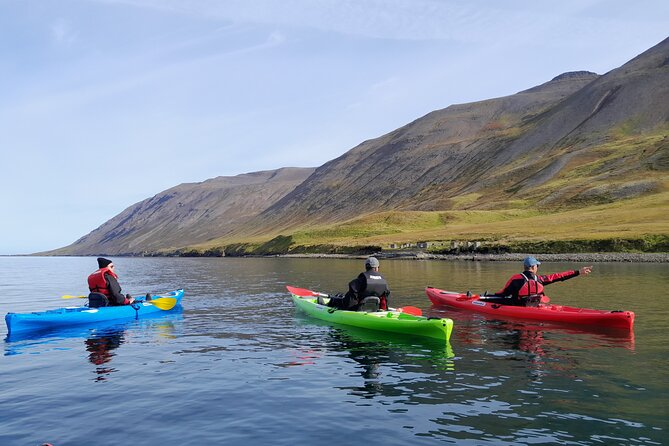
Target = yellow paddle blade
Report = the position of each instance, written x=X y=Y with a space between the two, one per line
x=164 y=303
x=68 y=296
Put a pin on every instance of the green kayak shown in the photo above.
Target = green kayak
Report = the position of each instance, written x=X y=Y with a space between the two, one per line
x=393 y=321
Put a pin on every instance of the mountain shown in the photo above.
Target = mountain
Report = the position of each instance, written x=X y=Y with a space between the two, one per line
x=188 y=214
x=491 y=152
x=422 y=164
x=576 y=141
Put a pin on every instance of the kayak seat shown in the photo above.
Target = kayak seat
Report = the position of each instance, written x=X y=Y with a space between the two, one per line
x=97 y=300
x=533 y=300
x=370 y=304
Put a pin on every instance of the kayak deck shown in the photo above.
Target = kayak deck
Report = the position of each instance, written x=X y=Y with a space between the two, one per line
x=65 y=317
x=390 y=321
x=542 y=312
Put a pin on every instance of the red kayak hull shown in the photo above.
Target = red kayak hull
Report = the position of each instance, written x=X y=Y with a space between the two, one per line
x=544 y=312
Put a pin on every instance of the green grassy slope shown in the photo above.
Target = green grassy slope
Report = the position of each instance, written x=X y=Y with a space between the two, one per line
x=613 y=196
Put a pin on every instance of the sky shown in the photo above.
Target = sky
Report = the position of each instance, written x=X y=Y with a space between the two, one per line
x=104 y=103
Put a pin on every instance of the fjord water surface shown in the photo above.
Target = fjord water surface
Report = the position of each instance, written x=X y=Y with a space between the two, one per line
x=239 y=365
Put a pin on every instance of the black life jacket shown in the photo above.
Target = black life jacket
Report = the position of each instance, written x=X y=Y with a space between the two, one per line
x=376 y=284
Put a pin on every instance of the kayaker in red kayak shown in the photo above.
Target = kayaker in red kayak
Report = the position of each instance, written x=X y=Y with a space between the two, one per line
x=368 y=284
x=526 y=288
x=104 y=286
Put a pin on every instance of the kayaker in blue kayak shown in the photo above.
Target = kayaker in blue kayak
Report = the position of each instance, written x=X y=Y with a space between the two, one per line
x=104 y=287
x=368 y=284
x=526 y=288
x=100 y=347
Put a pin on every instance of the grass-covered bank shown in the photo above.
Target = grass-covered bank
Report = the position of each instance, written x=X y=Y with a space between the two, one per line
x=655 y=248
x=632 y=225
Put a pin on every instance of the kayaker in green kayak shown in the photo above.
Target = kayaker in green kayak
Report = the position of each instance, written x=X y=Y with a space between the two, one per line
x=369 y=284
x=526 y=288
x=104 y=287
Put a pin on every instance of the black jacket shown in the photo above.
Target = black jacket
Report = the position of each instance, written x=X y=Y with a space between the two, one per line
x=115 y=296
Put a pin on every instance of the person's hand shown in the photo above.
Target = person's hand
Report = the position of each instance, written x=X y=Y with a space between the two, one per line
x=130 y=298
x=585 y=270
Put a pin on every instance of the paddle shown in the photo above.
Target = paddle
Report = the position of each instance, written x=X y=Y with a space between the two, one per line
x=164 y=303
x=411 y=310
x=544 y=299
x=303 y=292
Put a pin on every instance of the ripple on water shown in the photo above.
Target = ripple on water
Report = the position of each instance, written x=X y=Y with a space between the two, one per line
x=239 y=365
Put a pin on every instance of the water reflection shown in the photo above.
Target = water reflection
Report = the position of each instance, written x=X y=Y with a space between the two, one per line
x=303 y=357
x=530 y=336
x=100 y=347
x=389 y=364
x=370 y=364
x=36 y=342
x=537 y=349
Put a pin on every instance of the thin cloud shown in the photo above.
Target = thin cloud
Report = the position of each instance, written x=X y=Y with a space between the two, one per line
x=384 y=19
x=470 y=22
x=62 y=33
x=126 y=74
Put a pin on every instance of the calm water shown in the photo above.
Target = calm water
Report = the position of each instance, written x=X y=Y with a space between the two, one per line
x=239 y=365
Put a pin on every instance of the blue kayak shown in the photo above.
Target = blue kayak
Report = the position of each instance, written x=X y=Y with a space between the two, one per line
x=65 y=317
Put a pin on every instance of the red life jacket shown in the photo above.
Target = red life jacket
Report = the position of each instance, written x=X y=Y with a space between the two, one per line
x=530 y=287
x=97 y=282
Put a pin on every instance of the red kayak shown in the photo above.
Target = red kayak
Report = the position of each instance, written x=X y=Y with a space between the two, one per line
x=542 y=312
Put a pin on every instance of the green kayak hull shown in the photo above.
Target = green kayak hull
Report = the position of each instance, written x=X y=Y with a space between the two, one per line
x=391 y=321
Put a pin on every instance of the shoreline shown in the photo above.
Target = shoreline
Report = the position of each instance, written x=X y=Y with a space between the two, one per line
x=507 y=257
x=596 y=257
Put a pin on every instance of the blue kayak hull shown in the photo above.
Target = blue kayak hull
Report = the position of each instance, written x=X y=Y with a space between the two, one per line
x=65 y=317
